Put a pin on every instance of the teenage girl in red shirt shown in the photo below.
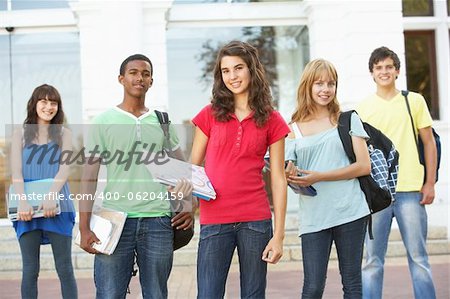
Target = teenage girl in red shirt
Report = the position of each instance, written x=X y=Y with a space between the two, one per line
x=232 y=135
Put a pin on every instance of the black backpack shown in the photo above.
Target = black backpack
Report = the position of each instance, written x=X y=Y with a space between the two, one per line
x=379 y=186
x=181 y=237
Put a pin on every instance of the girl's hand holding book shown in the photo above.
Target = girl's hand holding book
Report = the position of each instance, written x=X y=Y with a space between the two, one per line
x=291 y=169
x=25 y=211
x=49 y=205
x=304 y=178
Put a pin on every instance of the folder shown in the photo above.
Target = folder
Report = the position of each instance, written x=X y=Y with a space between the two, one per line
x=35 y=192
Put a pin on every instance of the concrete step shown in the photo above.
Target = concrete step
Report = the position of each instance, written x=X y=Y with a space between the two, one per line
x=437 y=244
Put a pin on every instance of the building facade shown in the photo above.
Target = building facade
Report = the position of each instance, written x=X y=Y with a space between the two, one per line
x=78 y=46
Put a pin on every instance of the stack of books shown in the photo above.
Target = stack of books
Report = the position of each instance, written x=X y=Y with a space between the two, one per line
x=107 y=225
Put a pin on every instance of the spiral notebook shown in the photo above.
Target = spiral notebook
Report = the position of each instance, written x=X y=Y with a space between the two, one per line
x=173 y=170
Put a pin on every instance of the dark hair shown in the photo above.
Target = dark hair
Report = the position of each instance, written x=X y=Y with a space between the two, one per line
x=382 y=53
x=49 y=92
x=135 y=57
x=260 y=99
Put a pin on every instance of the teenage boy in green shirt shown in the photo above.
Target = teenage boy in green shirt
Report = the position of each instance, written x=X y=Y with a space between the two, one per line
x=120 y=138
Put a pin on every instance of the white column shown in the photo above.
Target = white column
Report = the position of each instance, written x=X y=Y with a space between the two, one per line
x=155 y=44
x=346 y=32
x=111 y=31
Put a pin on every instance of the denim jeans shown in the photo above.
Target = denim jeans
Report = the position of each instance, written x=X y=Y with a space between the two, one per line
x=316 y=247
x=30 y=245
x=151 y=239
x=412 y=222
x=216 y=248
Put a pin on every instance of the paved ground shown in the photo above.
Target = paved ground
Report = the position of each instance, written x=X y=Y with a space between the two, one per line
x=284 y=281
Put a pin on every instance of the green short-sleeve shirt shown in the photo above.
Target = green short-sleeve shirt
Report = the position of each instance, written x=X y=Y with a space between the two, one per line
x=124 y=142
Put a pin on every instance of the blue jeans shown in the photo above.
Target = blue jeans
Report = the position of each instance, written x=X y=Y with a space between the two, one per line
x=30 y=245
x=316 y=247
x=151 y=239
x=412 y=222
x=215 y=251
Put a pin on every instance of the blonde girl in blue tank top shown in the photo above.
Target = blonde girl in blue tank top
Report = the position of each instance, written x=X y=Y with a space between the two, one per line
x=338 y=213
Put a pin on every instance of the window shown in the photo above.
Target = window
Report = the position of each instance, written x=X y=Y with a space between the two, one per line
x=413 y=8
x=284 y=51
x=38 y=4
x=421 y=67
x=33 y=4
x=225 y=1
x=5 y=90
x=39 y=58
x=29 y=60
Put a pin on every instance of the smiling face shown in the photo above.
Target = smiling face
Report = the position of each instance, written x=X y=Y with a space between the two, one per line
x=235 y=74
x=137 y=78
x=323 y=90
x=384 y=73
x=46 y=110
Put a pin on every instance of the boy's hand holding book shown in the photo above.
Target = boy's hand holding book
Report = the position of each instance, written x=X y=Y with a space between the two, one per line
x=87 y=240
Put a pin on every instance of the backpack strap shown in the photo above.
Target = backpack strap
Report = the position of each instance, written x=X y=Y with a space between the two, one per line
x=343 y=130
x=344 y=124
x=296 y=131
x=405 y=94
x=164 y=121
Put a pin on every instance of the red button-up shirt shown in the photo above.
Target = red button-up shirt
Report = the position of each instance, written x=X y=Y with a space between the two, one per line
x=234 y=162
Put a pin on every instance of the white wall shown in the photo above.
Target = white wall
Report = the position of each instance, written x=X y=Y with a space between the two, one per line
x=347 y=38
x=344 y=32
x=110 y=33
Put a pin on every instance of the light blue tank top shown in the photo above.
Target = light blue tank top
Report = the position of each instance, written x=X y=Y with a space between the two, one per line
x=336 y=202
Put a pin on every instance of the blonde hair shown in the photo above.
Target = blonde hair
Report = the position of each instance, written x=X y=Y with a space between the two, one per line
x=313 y=71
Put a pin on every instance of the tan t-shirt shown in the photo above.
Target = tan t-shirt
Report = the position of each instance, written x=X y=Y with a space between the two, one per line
x=392 y=118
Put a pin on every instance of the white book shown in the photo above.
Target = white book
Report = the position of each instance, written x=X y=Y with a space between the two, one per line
x=102 y=229
x=174 y=170
x=107 y=225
